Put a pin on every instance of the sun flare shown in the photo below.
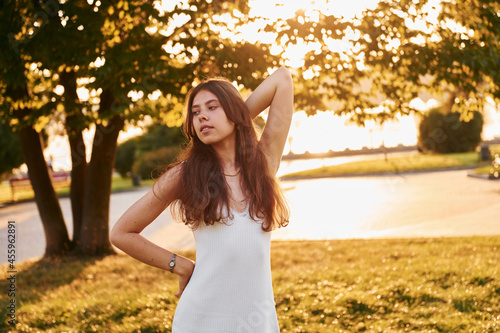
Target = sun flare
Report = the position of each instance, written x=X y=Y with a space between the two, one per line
x=285 y=9
x=276 y=10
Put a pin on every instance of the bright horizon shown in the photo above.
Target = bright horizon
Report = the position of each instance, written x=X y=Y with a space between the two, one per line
x=316 y=134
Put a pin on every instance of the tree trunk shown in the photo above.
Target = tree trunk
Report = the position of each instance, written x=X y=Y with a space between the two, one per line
x=31 y=142
x=56 y=233
x=78 y=180
x=95 y=228
x=74 y=127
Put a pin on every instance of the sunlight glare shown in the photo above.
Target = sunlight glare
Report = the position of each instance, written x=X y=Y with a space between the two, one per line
x=332 y=207
x=280 y=10
x=285 y=9
x=326 y=131
x=420 y=105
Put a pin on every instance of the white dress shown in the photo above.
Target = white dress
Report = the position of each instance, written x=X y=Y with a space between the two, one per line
x=230 y=290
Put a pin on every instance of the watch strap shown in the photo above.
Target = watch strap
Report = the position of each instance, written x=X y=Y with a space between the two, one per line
x=171 y=264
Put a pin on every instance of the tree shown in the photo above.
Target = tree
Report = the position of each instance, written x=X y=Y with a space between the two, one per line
x=375 y=65
x=125 y=157
x=21 y=106
x=128 y=53
x=122 y=53
x=10 y=155
x=446 y=133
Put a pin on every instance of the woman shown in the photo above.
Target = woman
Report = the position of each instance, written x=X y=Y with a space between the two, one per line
x=224 y=189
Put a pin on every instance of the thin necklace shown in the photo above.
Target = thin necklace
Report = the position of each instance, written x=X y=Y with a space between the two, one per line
x=236 y=174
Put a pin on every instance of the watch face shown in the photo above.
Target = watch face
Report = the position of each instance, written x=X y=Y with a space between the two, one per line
x=172 y=264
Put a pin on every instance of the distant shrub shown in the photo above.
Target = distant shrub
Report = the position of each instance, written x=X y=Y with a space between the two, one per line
x=446 y=133
x=125 y=157
x=149 y=165
x=139 y=148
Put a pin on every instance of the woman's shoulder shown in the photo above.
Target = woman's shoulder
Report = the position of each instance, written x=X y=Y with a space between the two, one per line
x=173 y=173
x=166 y=185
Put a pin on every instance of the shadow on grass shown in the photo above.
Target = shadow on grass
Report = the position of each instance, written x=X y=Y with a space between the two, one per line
x=36 y=278
x=113 y=293
x=41 y=276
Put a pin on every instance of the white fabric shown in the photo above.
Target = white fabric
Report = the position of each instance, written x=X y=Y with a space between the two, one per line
x=230 y=290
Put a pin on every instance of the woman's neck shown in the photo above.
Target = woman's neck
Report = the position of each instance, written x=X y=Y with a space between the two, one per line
x=226 y=153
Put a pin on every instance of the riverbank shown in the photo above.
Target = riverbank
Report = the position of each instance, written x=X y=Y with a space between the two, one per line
x=398 y=164
x=327 y=286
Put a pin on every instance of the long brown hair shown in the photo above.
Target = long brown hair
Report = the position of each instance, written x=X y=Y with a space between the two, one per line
x=203 y=193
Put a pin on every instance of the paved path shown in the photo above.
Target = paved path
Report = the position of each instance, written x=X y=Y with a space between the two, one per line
x=446 y=203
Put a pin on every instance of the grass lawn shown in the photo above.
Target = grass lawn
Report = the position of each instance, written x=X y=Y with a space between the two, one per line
x=407 y=163
x=495 y=150
x=118 y=184
x=431 y=285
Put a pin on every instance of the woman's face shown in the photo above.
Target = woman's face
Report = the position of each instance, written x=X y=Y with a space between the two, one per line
x=209 y=119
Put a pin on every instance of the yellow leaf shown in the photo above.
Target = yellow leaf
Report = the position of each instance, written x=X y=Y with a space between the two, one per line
x=41 y=122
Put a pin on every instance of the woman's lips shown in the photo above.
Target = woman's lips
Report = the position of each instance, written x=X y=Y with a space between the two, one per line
x=205 y=129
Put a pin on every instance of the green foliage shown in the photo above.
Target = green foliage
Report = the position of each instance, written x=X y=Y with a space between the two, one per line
x=393 y=52
x=384 y=56
x=137 y=150
x=330 y=286
x=115 y=49
x=447 y=133
x=150 y=164
x=11 y=156
x=394 y=164
x=158 y=136
x=125 y=157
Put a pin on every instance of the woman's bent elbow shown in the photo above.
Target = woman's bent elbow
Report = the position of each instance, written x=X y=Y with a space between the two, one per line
x=114 y=237
x=285 y=73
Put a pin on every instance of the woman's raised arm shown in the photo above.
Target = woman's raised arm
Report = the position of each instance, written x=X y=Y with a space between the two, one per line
x=275 y=92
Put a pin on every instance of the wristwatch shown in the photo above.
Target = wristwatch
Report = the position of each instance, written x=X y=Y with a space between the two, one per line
x=171 y=264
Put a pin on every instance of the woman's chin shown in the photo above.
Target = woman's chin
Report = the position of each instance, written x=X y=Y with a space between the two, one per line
x=208 y=141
